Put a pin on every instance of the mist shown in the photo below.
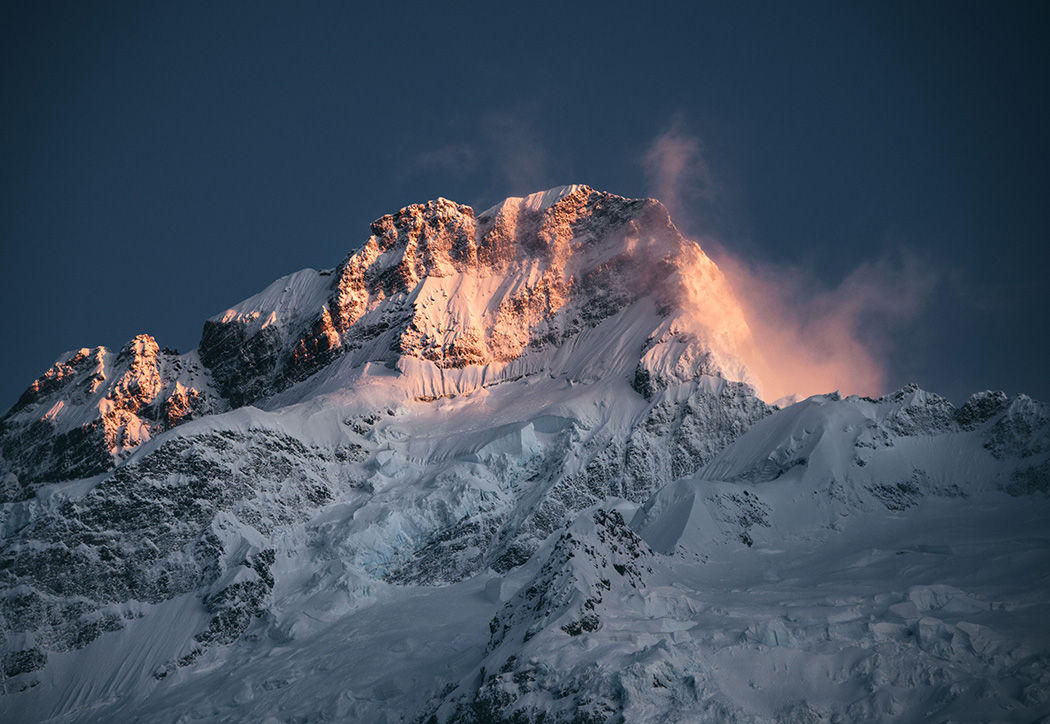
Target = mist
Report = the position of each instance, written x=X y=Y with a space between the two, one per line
x=808 y=335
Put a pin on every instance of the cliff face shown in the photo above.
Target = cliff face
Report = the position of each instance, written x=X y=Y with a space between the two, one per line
x=438 y=284
x=93 y=407
x=451 y=300
x=508 y=466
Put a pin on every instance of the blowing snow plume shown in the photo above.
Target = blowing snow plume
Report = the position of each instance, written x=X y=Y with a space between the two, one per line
x=811 y=340
x=808 y=338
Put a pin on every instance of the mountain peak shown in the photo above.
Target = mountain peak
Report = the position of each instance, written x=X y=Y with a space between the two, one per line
x=436 y=287
x=570 y=283
x=526 y=418
x=540 y=200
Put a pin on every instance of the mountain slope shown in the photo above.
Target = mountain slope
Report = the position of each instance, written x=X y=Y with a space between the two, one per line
x=803 y=574
x=453 y=302
x=509 y=467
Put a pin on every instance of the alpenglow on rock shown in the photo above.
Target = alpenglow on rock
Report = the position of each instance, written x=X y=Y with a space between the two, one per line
x=452 y=301
x=456 y=301
x=511 y=467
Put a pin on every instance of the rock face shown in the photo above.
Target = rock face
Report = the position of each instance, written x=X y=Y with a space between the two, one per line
x=594 y=564
x=435 y=283
x=507 y=466
x=93 y=407
x=158 y=528
x=501 y=293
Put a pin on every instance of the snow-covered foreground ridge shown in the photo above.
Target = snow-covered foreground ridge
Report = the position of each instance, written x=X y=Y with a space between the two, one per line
x=509 y=467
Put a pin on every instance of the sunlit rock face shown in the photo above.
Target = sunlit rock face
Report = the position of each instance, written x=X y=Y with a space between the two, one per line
x=93 y=407
x=510 y=467
x=454 y=290
x=452 y=300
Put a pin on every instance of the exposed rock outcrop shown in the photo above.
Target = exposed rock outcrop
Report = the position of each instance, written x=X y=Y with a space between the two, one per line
x=93 y=407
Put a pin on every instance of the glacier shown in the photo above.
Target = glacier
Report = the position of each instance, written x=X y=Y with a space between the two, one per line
x=512 y=467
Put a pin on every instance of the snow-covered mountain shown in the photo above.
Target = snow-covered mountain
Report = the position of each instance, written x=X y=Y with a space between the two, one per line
x=511 y=467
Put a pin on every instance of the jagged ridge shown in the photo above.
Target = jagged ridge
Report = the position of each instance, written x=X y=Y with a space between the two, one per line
x=529 y=417
x=432 y=291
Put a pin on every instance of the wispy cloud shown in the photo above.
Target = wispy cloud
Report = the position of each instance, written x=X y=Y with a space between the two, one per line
x=676 y=170
x=457 y=160
x=504 y=151
x=516 y=150
x=810 y=335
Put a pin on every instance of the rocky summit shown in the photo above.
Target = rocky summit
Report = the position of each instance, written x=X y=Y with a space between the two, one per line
x=512 y=466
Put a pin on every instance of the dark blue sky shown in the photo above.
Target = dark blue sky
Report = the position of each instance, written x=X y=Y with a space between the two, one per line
x=160 y=163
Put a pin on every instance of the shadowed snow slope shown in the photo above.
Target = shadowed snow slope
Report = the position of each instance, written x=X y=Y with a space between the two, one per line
x=510 y=467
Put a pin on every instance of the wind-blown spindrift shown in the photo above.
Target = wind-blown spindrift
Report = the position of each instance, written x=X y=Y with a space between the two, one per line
x=511 y=467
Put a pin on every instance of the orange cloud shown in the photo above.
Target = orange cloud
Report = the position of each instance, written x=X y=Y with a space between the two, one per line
x=811 y=339
x=806 y=337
